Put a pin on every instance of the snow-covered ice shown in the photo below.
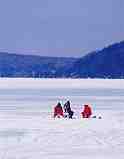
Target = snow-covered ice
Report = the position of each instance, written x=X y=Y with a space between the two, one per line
x=28 y=131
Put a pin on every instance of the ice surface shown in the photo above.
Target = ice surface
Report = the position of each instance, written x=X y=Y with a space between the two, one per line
x=24 y=83
x=28 y=131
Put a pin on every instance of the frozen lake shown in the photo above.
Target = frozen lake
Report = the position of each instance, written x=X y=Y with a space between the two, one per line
x=28 y=131
x=49 y=93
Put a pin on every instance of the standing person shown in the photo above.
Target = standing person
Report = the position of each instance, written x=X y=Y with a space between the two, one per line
x=58 y=111
x=67 y=109
x=87 y=111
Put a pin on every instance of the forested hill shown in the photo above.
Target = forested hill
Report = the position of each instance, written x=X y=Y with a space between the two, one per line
x=106 y=63
x=13 y=65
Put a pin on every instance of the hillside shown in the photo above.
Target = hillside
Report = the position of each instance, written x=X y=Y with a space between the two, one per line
x=107 y=63
x=12 y=65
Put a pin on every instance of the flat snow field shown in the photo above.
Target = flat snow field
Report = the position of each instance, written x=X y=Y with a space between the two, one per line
x=28 y=131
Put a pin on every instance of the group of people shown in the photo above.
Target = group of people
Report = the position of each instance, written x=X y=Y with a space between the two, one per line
x=66 y=111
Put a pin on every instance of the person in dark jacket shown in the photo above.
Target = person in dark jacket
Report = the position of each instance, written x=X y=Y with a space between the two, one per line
x=67 y=110
x=87 y=112
x=58 y=111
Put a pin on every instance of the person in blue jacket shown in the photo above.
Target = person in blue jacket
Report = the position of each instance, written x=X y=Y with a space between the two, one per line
x=67 y=109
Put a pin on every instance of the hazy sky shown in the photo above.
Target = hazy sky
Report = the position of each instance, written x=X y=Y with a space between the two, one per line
x=60 y=27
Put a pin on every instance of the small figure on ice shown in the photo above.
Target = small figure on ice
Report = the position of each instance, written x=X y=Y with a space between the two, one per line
x=67 y=110
x=58 y=111
x=87 y=111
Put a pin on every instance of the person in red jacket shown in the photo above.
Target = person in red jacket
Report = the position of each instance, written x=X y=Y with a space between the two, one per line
x=58 y=111
x=87 y=112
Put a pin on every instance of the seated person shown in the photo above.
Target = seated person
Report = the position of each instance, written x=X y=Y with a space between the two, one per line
x=58 y=111
x=87 y=112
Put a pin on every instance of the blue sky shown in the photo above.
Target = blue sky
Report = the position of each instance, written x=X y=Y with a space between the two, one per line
x=60 y=27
